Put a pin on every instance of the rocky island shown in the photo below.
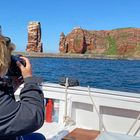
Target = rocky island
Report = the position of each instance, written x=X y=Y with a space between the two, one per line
x=121 y=43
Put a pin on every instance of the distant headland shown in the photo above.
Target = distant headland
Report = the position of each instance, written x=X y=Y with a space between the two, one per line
x=122 y=42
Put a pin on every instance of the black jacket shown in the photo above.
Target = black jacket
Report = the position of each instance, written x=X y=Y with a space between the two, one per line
x=24 y=116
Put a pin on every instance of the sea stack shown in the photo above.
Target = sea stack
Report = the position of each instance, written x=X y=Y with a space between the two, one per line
x=34 y=37
x=62 y=44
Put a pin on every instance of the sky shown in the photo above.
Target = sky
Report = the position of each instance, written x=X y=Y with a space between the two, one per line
x=58 y=16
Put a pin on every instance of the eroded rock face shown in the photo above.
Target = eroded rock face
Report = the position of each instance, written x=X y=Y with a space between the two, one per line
x=123 y=41
x=34 y=37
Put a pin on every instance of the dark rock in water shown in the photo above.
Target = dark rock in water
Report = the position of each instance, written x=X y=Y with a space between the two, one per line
x=122 y=42
x=34 y=37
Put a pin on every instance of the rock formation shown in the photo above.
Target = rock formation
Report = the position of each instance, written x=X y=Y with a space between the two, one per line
x=62 y=43
x=123 y=41
x=34 y=37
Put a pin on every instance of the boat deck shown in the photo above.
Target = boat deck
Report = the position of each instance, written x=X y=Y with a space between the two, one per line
x=53 y=131
x=82 y=134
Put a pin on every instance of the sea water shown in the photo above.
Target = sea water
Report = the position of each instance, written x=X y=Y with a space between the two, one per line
x=121 y=75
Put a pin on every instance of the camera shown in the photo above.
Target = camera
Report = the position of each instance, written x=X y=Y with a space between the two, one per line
x=8 y=82
x=14 y=69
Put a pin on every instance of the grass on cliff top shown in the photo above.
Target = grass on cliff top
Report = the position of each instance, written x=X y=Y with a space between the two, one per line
x=123 y=28
x=112 y=48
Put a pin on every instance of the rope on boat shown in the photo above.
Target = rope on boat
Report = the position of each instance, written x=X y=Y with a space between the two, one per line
x=100 y=119
x=66 y=95
x=67 y=119
x=136 y=120
x=137 y=131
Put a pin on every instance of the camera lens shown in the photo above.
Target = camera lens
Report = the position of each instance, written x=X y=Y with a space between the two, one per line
x=14 y=69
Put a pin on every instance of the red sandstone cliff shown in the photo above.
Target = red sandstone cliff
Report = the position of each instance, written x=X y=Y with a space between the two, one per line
x=34 y=37
x=123 y=41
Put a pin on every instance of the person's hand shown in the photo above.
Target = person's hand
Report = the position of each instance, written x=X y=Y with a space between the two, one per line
x=25 y=70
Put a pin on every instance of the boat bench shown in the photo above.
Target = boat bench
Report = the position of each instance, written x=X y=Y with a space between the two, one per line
x=82 y=134
x=127 y=113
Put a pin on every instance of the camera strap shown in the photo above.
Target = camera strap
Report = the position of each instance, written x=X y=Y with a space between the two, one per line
x=6 y=86
x=2 y=84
